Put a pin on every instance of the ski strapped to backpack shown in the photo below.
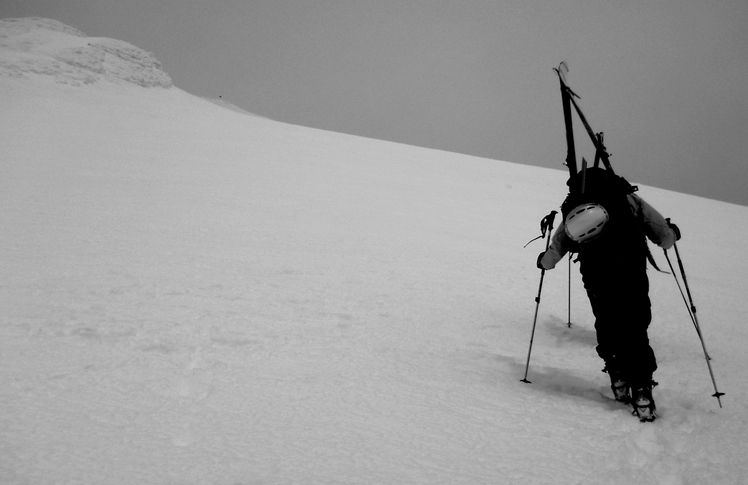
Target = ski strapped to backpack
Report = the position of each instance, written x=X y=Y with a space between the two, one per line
x=567 y=98
x=566 y=94
x=588 y=221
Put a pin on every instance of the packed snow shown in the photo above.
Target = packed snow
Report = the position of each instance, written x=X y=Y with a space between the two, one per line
x=192 y=295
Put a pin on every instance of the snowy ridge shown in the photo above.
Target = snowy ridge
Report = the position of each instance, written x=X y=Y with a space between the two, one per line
x=194 y=296
x=47 y=48
x=225 y=104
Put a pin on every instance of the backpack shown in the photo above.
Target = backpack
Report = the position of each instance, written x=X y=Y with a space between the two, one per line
x=622 y=229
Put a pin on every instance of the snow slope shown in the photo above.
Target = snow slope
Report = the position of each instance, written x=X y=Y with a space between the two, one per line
x=191 y=295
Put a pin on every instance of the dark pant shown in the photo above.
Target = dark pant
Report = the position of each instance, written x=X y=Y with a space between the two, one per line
x=622 y=309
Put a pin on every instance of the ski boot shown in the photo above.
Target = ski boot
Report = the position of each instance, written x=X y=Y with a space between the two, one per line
x=619 y=386
x=643 y=403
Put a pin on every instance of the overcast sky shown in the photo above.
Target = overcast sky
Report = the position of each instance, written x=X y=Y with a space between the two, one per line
x=666 y=81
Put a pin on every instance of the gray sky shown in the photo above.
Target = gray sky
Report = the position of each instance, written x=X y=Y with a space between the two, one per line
x=667 y=81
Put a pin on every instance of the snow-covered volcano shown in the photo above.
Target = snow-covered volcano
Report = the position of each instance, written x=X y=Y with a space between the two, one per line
x=193 y=295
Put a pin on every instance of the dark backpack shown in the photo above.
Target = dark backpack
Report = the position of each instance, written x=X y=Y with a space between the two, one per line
x=623 y=230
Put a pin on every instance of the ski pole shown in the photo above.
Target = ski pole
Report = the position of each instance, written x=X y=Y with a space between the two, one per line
x=694 y=318
x=688 y=308
x=569 y=314
x=546 y=225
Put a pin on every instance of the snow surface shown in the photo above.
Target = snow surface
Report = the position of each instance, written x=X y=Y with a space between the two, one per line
x=191 y=295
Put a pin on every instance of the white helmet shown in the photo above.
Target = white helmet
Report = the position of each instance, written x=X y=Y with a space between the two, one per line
x=586 y=222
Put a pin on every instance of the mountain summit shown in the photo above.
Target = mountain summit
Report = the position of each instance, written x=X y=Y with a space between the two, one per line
x=37 y=47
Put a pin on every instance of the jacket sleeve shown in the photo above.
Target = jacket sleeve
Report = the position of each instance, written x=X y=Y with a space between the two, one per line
x=560 y=243
x=654 y=225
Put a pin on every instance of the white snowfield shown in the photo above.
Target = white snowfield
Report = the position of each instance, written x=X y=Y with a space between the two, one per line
x=191 y=295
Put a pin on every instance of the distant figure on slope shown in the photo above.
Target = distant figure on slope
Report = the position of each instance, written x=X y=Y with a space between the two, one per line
x=606 y=224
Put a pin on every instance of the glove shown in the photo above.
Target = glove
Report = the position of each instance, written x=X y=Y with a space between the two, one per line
x=540 y=258
x=675 y=229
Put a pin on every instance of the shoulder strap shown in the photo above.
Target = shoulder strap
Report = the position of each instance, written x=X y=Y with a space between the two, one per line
x=640 y=223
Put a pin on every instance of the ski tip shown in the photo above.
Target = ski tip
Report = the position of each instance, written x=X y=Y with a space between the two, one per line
x=562 y=71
